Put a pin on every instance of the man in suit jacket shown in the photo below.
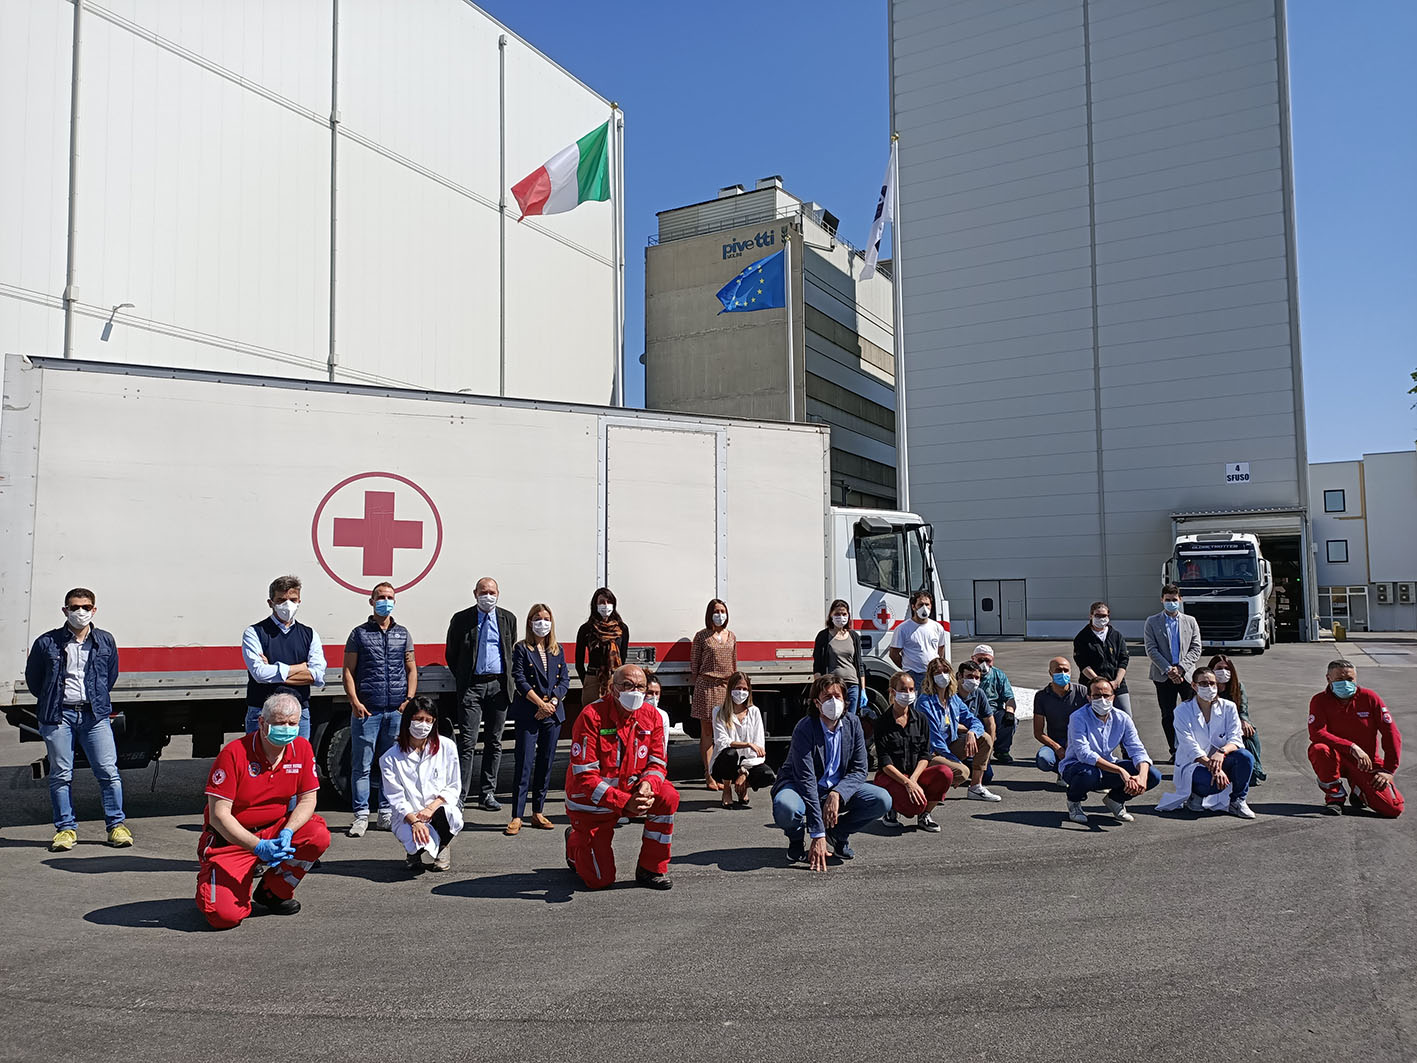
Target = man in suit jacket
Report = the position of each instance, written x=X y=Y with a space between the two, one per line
x=1173 y=645
x=479 y=654
x=822 y=790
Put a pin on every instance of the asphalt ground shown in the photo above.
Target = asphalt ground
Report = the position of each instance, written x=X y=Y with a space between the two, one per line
x=1012 y=935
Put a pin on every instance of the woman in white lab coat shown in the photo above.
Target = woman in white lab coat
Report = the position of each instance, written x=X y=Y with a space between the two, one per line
x=423 y=783
x=1213 y=768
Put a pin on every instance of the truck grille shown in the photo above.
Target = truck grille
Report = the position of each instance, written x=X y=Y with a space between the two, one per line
x=1220 y=621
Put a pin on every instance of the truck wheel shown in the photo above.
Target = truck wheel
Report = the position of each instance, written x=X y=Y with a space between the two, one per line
x=332 y=759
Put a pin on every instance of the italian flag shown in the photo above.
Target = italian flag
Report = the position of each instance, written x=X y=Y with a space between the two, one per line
x=574 y=175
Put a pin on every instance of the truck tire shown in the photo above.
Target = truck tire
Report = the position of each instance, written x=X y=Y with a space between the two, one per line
x=332 y=759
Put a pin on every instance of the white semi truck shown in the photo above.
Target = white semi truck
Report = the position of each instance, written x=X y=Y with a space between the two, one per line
x=1227 y=585
x=177 y=496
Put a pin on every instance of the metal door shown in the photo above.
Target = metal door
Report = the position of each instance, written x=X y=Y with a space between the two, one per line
x=987 y=611
x=1014 y=618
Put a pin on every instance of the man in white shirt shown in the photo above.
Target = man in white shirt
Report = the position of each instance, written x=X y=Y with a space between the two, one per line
x=1213 y=767
x=918 y=640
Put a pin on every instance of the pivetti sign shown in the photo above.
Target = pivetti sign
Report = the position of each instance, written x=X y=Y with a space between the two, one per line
x=735 y=248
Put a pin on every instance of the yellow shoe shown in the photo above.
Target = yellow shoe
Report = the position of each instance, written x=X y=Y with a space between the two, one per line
x=120 y=837
x=63 y=841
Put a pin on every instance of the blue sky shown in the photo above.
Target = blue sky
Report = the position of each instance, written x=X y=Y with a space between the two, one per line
x=801 y=89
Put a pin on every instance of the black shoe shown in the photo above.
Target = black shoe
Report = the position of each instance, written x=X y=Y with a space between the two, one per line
x=652 y=879
x=490 y=804
x=568 y=850
x=1003 y=758
x=1333 y=808
x=412 y=864
x=927 y=822
x=796 y=850
x=891 y=817
x=841 y=847
x=273 y=904
x=1357 y=801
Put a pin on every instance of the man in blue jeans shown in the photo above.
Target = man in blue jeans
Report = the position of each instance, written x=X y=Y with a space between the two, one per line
x=70 y=672
x=380 y=679
x=821 y=790
x=1094 y=733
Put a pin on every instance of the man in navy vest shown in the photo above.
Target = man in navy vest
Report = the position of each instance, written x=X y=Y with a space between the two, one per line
x=281 y=656
x=479 y=654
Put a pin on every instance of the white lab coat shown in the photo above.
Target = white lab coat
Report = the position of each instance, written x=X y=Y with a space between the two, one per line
x=411 y=780
x=1198 y=737
x=750 y=730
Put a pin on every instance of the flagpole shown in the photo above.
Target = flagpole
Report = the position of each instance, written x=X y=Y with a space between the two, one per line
x=787 y=292
x=617 y=185
x=902 y=457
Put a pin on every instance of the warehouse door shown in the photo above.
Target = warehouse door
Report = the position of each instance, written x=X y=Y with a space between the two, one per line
x=1014 y=613
x=661 y=526
x=986 y=607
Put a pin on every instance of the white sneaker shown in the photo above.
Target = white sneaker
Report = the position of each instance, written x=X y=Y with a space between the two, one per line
x=358 y=827
x=1239 y=807
x=1118 y=810
x=982 y=793
x=386 y=819
x=443 y=860
x=1195 y=803
x=1076 y=814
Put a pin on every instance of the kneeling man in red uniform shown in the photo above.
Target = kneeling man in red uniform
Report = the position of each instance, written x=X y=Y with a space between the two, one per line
x=618 y=766
x=1345 y=723
x=249 y=821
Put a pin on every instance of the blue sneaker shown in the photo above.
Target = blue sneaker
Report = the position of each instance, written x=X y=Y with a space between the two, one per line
x=841 y=847
x=796 y=850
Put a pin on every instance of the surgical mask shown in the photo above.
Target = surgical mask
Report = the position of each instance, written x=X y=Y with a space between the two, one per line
x=923 y=612
x=421 y=729
x=839 y=619
x=285 y=611
x=79 y=618
x=984 y=667
x=541 y=628
x=630 y=700
x=1171 y=607
x=1102 y=706
x=1343 y=688
x=942 y=680
x=969 y=684
x=652 y=699
x=719 y=619
x=282 y=734
x=384 y=607
x=1062 y=678
x=1207 y=692
x=832 y=709
x=486 y=602
x=905 y=697
x=739 y=696
x=605 y=609
x=1222 y=675
x=1101 y=622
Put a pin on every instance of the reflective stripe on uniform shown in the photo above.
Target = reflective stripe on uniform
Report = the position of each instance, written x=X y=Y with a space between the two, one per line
x=599 y=791
x=664 y=838
x=659 y=819
x=661 y=763
x=596 y=809
x=580 y=769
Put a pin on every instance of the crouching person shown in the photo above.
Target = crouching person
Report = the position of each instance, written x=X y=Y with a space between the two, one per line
x=250 y=825
x=1346 y=725
x=1213 y=768
x=1094 y=733
x=423 y=783
x=822 y=789
x=618 y=769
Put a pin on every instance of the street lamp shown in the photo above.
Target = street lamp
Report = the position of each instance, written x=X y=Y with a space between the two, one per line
x=108 y=325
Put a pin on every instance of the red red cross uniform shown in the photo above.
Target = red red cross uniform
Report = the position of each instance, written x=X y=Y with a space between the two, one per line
x=1335 y=728
x=260 y=796
x=612 y=752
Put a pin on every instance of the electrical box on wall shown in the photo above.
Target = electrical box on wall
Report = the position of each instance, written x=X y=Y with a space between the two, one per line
x=1406 y=593
x=1384 y=593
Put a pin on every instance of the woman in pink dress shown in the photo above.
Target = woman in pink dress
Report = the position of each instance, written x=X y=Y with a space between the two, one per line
x=713 y=658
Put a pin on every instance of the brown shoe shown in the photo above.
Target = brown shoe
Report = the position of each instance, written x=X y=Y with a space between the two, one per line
x=513 y=828
x=540 y=822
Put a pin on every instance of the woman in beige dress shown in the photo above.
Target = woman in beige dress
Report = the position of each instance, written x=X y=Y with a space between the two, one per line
x=713 y=658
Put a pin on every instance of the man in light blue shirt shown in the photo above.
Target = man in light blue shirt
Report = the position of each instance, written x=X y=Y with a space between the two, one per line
x=479 y=654
x=282 y=655
x=1173 y=646
x=1094 y=733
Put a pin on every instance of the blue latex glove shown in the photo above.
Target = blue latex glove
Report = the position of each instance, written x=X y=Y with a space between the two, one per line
x=864 y=700
x=270 y=852
x=284 y=837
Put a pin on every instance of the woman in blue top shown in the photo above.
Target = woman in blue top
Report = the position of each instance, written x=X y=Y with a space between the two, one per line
x=542 y=679
x=957 y=736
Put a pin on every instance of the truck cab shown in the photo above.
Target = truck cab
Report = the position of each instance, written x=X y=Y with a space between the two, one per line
x=1227 y=585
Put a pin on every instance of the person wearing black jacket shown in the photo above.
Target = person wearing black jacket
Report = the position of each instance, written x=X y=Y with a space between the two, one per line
x=479 y=654
x=837 y=652
x=602 y=645
x=1100 y=652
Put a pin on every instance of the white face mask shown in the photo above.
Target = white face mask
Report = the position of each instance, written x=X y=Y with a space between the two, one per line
x=630 y=700
x=420 y=729
x=969 y=684
x=840 y=619
x=605 y=609
x=942 y=680
x=905 y=697
x=922 y=612
x=984 y=667
x=1101 y=622
x=80 y=618
x=719 y=619
x=1222 y=675
x=285 y=611
x=1102 y=706
x=652 y=699
x=832 y=709
x=1207 y=692
x=486 y=602
x=541 y=628
x=739 y=696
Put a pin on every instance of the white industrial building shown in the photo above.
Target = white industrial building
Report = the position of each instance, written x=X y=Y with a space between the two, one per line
x=1096 y=253
x=315 y=189
x=1364 y=513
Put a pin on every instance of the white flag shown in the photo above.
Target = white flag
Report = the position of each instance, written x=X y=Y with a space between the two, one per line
x=885 y=212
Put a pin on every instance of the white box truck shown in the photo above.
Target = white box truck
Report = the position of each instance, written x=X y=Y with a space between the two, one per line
x=1227 y=585
x=177 y=495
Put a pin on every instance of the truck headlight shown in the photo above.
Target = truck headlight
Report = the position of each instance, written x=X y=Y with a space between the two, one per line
x=1253 y=631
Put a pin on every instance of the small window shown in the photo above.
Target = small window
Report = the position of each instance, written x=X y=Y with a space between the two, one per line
x=1337 y=551
x=1334 y=502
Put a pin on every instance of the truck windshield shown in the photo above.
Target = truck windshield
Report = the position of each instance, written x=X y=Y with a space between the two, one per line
x=892 y=561
x=1213 y=569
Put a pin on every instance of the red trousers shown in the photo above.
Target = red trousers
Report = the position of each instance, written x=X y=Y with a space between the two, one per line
x=1329 y=764
x=228 y=871
x=934 y=780
x=590 y=845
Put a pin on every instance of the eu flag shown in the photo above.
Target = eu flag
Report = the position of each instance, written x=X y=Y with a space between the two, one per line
x=761 y=286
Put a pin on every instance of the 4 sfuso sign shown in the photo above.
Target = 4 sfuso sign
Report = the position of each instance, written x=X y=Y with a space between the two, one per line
x=1237 y=472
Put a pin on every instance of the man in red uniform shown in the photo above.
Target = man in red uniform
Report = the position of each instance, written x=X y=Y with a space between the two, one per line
x=250 y=822
x=618 y=765
x=1345 y=722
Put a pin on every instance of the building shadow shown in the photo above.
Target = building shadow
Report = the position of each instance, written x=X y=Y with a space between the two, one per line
x=1019 y=786
x=757 y=858
x=179 y=914
x=106 y=865
x=382 y=871
x=549 y=885
x=1047 y=818
x=1296 y=810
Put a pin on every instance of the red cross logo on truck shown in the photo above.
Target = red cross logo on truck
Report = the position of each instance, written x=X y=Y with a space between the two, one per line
x=884 y=616
x=388 y=519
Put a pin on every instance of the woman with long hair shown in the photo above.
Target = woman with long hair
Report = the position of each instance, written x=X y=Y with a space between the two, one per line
x=740 y=744
x=713 y=658
x=908 y=772
x=602 y=644
x=421 y=778
x=837 y=652
x=542 y=679
x=1231 y=689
